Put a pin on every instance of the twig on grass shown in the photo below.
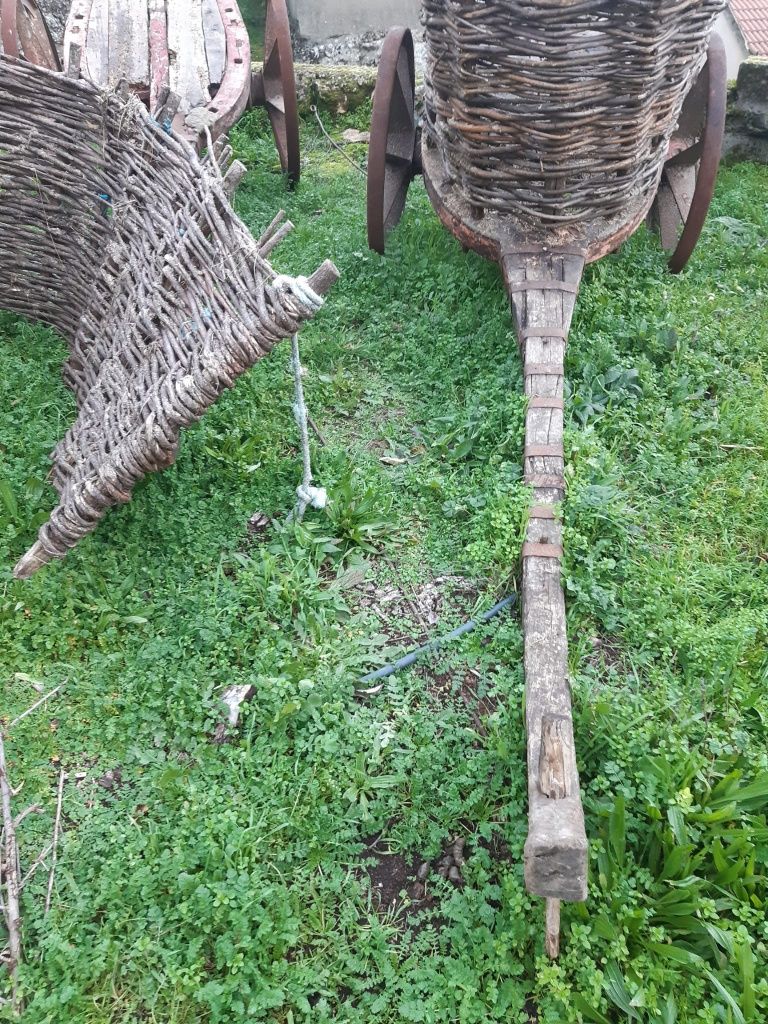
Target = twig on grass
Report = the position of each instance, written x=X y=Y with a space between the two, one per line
x=39 y=860
x=55 y=843
x=33 y=809
x=37 y=704
x=9 y=870
x=316 y=430
x=335 y=144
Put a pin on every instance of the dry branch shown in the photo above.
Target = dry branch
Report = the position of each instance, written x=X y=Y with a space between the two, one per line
x=55 y=841
x=9 y=874
x=43 y=700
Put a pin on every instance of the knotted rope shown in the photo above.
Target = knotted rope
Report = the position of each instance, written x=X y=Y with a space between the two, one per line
x=307 y=495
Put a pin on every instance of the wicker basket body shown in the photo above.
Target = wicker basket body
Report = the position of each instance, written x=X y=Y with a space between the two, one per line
x=117 y=235
x=559 y=111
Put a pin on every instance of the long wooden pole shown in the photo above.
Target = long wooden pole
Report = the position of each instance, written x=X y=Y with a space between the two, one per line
x=542 y=286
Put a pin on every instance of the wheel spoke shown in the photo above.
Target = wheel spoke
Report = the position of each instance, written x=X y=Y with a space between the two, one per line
x=393 y=137
x=668 y=216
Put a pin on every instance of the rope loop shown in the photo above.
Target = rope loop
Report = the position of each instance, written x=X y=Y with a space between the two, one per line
x=317 y=497
x=301 y=289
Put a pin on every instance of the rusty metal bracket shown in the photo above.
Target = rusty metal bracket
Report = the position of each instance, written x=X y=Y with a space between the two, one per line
x=543 y=451
x=542 y=551
x=543 y=370
x=546 y=402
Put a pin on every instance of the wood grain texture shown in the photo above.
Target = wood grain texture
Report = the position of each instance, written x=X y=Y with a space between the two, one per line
x=552 y=937
x=215 y=41
x=556 y=849
x=159 y=68
x=186 y=50
x=555 y=757
x=128 y=43
x=97 y=44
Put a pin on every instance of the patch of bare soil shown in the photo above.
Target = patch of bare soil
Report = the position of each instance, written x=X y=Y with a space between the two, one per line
x=397 y=882
x=409 y=616
x=607 y=653
x=463 y=684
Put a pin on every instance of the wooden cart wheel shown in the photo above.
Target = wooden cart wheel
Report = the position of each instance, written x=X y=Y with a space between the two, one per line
x=25 y=34
x=274 y=87
x=392 y=157
x=689 y=176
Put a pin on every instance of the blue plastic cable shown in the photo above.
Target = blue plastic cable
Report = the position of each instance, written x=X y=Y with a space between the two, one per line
x=435 y=645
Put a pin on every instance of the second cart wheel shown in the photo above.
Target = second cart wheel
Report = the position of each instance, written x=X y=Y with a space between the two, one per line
x=689 y=176
x=274 y=87
x=392 y=160
x=25 y=33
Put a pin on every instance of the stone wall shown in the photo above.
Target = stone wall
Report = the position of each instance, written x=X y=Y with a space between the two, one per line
x=318 y=21
x=56 y=12
x=746 y=131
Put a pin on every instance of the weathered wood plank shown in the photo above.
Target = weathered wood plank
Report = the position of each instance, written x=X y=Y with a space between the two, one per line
x=556 y=849
x=159 y=67
x=552 y=939
x=97 y=44
x=215 y=41
x=186 y=51
x=682 y=182
x=129 y=43
x=76 y=31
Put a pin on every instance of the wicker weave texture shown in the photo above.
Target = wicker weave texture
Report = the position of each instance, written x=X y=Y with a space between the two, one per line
x=559 y=110
x=116 y=234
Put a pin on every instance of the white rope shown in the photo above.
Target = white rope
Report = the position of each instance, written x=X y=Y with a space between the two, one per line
x=308 y=495
x=301 y=288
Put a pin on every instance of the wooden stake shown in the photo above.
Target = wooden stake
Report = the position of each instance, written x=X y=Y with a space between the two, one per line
x=552 y=941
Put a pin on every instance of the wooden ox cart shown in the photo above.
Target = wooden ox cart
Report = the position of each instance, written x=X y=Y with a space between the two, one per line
x=551 y=130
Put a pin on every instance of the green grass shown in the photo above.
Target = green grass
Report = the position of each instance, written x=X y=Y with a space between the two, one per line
x=254 y=12
x=230 y=883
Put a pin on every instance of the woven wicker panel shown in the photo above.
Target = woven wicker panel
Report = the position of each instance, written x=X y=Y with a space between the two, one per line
x=115 y=233
x=559 y=110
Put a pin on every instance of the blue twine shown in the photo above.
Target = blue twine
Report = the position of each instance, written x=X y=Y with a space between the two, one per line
x=106 y=203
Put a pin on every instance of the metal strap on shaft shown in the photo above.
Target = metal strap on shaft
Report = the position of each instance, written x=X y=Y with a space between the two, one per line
x=543 y=285
x=542 y=481
x=543 y=451
x=545 y=402
x=543 y=370
x=542 y=551
x=545 y=250
x=542 y=332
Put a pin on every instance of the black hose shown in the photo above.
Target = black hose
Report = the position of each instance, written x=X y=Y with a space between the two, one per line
x=435 y=645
